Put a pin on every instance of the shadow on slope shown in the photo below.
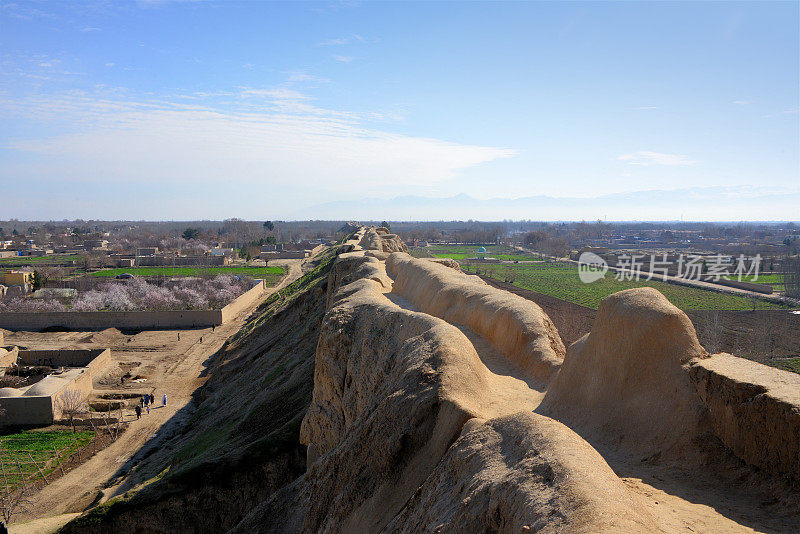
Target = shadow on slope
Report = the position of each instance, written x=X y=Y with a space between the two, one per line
x=238 y=441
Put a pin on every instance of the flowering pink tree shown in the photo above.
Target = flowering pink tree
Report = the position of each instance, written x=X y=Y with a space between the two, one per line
x=138 y=294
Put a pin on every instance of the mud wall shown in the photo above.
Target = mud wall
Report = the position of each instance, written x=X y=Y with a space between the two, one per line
x=515 y=326
x=27 y=410
x=67 y=357
x=755 y=410
x=402 y=402
x=101 y=320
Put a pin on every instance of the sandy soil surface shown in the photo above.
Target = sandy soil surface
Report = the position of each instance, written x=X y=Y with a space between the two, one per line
x=681 y=501
x=171 y=362
x=45 y=525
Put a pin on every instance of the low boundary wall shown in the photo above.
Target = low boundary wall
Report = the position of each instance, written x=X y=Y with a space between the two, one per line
x=95 y=360
x=28 y=410
x=140 y=320
x=101 y=320
x=43 y=409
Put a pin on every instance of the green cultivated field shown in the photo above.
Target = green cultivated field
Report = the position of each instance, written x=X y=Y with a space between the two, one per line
x=505 y=257
x=463 y=252
x=52 y=259
x=466 y=249
x=17 y=450
x=774 y=280
x=270 y=274
x=561 y=280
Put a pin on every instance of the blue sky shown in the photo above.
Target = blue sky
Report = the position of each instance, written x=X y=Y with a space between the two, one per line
x=187 y=110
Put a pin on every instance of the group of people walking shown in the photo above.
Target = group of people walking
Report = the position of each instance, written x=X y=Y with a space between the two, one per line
x=147 y=400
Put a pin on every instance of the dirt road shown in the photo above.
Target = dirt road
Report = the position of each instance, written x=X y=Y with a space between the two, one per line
x=178 y=375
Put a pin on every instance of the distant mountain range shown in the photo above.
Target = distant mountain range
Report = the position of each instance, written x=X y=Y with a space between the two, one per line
x=694 y=204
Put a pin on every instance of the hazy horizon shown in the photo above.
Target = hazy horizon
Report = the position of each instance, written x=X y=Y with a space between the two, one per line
x=166 y=110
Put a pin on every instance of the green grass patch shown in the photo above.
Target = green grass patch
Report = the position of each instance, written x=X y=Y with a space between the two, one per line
x=772 y=279
x=324 y=260
x=787 y=364
x=504 y=257
x=52 y=259
x=204 y=442
x=468 y=252
x=467 y=249
x=18 y=450
x=561 y=280
x=271 y=274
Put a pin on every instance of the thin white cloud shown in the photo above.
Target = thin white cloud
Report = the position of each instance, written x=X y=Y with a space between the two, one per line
x=266 y=140
x=647 y=107
x=279 y=93
x=647 y=158
x=302 y=77
x=343 y=59
x=791 y=111
x=334 y=42
x=741 y=102
x=340 y=41
x=333 y=7
x=24 y=11
x=110 y=64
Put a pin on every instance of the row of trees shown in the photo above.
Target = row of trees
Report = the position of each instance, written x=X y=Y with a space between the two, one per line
x=137 y=294
x=545 y=243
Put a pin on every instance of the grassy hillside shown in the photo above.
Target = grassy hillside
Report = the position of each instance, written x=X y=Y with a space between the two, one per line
x=241 y=439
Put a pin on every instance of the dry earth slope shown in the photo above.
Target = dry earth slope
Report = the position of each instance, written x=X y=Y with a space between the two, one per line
x=441 y=404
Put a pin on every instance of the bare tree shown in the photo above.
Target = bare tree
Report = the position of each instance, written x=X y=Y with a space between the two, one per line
x=71 y=403
x=13 y=500
x=791 y=276
x=51 y=273
x=711 y=331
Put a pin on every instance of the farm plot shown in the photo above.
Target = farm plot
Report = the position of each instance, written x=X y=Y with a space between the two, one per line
x=465 y=252
x=35 y=454
x=50 y=259
x=504 y=257
x=771 y=279
x=561 y=280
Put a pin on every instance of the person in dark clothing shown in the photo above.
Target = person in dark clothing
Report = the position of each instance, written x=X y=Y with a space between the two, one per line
x=138 y=412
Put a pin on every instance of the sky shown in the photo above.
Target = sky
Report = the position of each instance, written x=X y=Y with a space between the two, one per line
x=182 y=110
